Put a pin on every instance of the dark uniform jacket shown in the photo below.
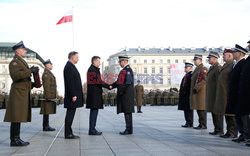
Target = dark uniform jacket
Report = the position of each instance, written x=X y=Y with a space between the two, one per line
x=49 y=86
x=184 y=92
x=125 y=90
x=73 y=86
x=94 y=88
x=233 y=94
x=19 y=106
x=244 y=89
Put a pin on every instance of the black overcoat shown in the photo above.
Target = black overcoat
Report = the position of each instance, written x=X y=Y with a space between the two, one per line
x=73 y=86
x=184 y=92
x=94 y=88
x=125 y=90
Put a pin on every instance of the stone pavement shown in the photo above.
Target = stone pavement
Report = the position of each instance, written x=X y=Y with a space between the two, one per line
x=157 y=132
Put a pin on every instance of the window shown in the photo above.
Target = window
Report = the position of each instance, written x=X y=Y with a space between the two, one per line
x=153 y=61
x=176 y=61
x=134 y=61
x=145 y=70
x=145 y=61
x=169 y=81
x=184 y=61
x=169 y=70
x=161 y=80
x=161 y=70
x=161 y=61
x=168 y=61
x=153 y=70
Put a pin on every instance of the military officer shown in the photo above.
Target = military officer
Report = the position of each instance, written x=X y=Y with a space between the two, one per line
x=19 y=107
x=233 y=94
x=212 y=76
x=198 y=91
x=50 y=92
x=184 y=94
x=222 y=93
x=125 y=93
x=139 y=92
x=1 y=100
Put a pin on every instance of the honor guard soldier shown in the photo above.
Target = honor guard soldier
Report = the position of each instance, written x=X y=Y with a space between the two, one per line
x=125 y=93
x=139 y=92
x=49 y=86
x=198 y=91
x=19 y=107
x=222 y=93
x=184 y=103
x=212 y=76
x=233 y=94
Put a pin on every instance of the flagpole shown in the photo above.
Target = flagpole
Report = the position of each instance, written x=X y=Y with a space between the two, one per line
x=73 y=43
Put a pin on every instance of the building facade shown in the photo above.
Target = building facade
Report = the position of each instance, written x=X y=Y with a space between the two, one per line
x=6 y=55
x=153 y=66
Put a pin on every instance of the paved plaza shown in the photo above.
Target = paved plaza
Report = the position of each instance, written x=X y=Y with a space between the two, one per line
x=157 y=132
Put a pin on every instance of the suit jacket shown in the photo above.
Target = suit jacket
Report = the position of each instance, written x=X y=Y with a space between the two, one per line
x=125 y=90
x=73 y=86
x=94 y=88
x=233 y=93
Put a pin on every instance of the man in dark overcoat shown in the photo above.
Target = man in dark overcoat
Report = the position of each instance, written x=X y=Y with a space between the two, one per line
x=73 y=93
x=184 y=94
x=94 y=93
x=125 y=93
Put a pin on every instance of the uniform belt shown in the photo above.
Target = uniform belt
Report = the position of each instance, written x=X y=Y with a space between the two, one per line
x=22 y=80
x=53 y=86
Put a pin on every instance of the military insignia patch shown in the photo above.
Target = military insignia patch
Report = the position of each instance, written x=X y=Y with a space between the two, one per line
x=14 y=63
x=45 y=75
x=128 y=72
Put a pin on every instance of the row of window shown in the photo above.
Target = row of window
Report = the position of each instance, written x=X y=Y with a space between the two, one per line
x=145 y=70
x=161 y=61
x=154 y=81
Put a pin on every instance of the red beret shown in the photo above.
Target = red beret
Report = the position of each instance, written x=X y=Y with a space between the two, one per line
x=228 y=51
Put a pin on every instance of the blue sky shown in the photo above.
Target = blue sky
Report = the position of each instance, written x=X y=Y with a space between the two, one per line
x=103 y=27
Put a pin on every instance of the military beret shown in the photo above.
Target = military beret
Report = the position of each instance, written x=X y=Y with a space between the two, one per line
x=47 y=62
x=138 y=81
x=197 y=56
x=228 y=51
x=187 y=64
x=238 y=48
x=213 y=54
x=19 y=45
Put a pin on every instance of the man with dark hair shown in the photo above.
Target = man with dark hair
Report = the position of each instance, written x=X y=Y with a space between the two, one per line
x=94 y=93
x=73 y=93
x=125 y=93
x=19 y=106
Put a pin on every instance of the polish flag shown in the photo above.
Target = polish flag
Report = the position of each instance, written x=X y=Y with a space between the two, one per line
x=68 y=17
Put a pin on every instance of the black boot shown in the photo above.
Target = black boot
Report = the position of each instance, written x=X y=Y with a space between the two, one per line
x=139 y=110
x=46 y=126
x=15 y=135
x=129 y=124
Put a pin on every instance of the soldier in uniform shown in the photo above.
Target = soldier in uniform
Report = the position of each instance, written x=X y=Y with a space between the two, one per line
x=184 y=96
x=212 y=76
x=233 y=94
x=139 y=92
x=198 y=91
x=125 y=93
x=222 y=93
x=50 y=92
x=19 y=107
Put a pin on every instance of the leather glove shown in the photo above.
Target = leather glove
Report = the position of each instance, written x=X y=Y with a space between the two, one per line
x=47 y=100
x=33 y=85
x=34 y=69
x=195 y=91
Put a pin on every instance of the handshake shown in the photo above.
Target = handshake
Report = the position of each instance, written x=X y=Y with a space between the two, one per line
x=110 y=87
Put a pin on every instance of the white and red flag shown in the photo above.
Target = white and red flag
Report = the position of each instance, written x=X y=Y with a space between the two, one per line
x=68 y=17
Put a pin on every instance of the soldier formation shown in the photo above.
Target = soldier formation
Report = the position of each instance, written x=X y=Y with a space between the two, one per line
x=221 y=90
